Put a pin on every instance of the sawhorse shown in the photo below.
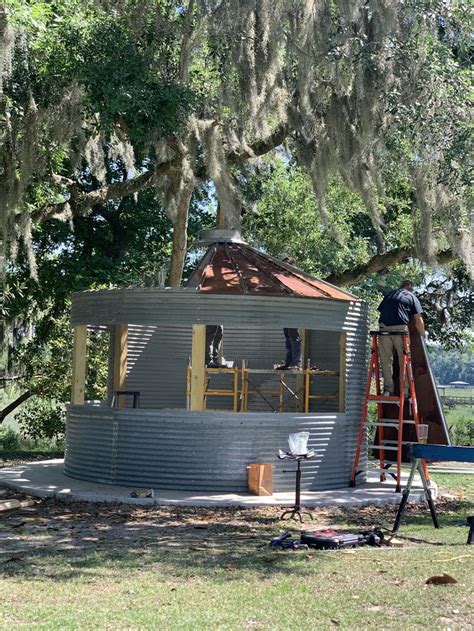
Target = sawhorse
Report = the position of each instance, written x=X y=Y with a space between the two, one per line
x=440 y=453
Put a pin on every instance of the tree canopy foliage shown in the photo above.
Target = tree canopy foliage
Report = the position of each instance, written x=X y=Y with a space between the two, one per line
x=335 y=130
x=452 y=365
x=186 y=93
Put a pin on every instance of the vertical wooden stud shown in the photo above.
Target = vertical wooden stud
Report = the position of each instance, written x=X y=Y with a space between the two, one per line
x=236 y=389
x=79 y=364
x=119 y=377
x=300 y=378
x=342 y=370
x=198 y=373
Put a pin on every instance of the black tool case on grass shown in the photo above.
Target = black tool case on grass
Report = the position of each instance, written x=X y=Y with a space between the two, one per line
x=331 y=539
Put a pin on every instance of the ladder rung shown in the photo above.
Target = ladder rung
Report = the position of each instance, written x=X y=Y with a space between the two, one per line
x=385 y=422
x=384 y=447
x=373 y=424
x=388 y=445
x=374 y=398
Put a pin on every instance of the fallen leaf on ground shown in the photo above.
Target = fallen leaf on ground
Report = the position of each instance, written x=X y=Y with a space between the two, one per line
x=444 y=579
x=449 y=496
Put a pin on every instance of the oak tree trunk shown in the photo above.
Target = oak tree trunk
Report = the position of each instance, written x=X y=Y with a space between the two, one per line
x=180 y=237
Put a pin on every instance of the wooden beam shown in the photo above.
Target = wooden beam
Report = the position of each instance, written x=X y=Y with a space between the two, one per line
x=300 y=378
x=342 y=371
x=198 y=376
x=79 y=364
x=119 y=375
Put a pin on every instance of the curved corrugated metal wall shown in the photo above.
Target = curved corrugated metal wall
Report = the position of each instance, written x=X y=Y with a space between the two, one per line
x=174 y=449
x=177 y=449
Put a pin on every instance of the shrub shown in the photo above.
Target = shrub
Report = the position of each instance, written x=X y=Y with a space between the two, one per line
x=40 y=419
x=462 y=432
x=9 y=439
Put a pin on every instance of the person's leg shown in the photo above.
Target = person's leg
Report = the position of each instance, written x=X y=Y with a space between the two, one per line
x=213 y=344
x=385 y=355
x=387 y=345
x=288 y=347
x=217 y=343
x=295 y=347
x=209 y=338
x=398 y=345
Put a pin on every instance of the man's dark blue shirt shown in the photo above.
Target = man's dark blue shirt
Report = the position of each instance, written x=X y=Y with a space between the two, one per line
x=397 y=307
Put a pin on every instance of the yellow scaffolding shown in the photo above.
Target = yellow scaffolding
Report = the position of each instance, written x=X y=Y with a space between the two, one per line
x=308 y=374
x=214 y=392
x=247 y=388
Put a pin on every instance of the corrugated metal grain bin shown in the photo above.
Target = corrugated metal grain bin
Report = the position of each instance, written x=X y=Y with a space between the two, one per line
x=165 y=445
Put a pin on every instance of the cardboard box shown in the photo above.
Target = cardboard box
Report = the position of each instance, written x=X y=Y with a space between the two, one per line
x=260 y=478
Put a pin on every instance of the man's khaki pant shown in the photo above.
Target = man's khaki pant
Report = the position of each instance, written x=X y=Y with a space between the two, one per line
x=387 y=344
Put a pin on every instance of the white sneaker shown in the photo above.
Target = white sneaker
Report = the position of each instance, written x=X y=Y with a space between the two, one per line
x=387 y=393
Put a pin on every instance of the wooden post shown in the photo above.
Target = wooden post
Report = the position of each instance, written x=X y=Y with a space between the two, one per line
x=342 y=371
x=119 y=376
x=198 y=375
x=79 y=364
x=300 y=378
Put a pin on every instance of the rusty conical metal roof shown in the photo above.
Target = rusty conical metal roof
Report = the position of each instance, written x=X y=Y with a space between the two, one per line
x=233 y=267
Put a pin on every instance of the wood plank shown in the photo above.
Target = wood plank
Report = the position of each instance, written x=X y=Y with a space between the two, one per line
x=198 y=358
x=300 y=378
x=119 y=376
x=79 y=355
x=12 y=504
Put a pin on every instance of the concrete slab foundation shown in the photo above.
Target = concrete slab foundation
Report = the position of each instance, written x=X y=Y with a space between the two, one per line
x=46 y=479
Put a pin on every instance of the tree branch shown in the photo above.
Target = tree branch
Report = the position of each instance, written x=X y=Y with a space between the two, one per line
x=380 y=262
x=14 y=404
x=80 y=202
x=261 y=147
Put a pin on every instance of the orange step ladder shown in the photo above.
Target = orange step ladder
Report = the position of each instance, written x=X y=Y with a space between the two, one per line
x=382 y=444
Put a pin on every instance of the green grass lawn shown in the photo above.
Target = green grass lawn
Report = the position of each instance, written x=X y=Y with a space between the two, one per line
x=82 y=566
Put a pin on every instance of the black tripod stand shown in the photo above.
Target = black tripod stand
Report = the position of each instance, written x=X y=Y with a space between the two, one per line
x=296 y=510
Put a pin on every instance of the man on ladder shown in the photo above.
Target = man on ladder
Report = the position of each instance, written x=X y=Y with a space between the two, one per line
x=396 y=310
